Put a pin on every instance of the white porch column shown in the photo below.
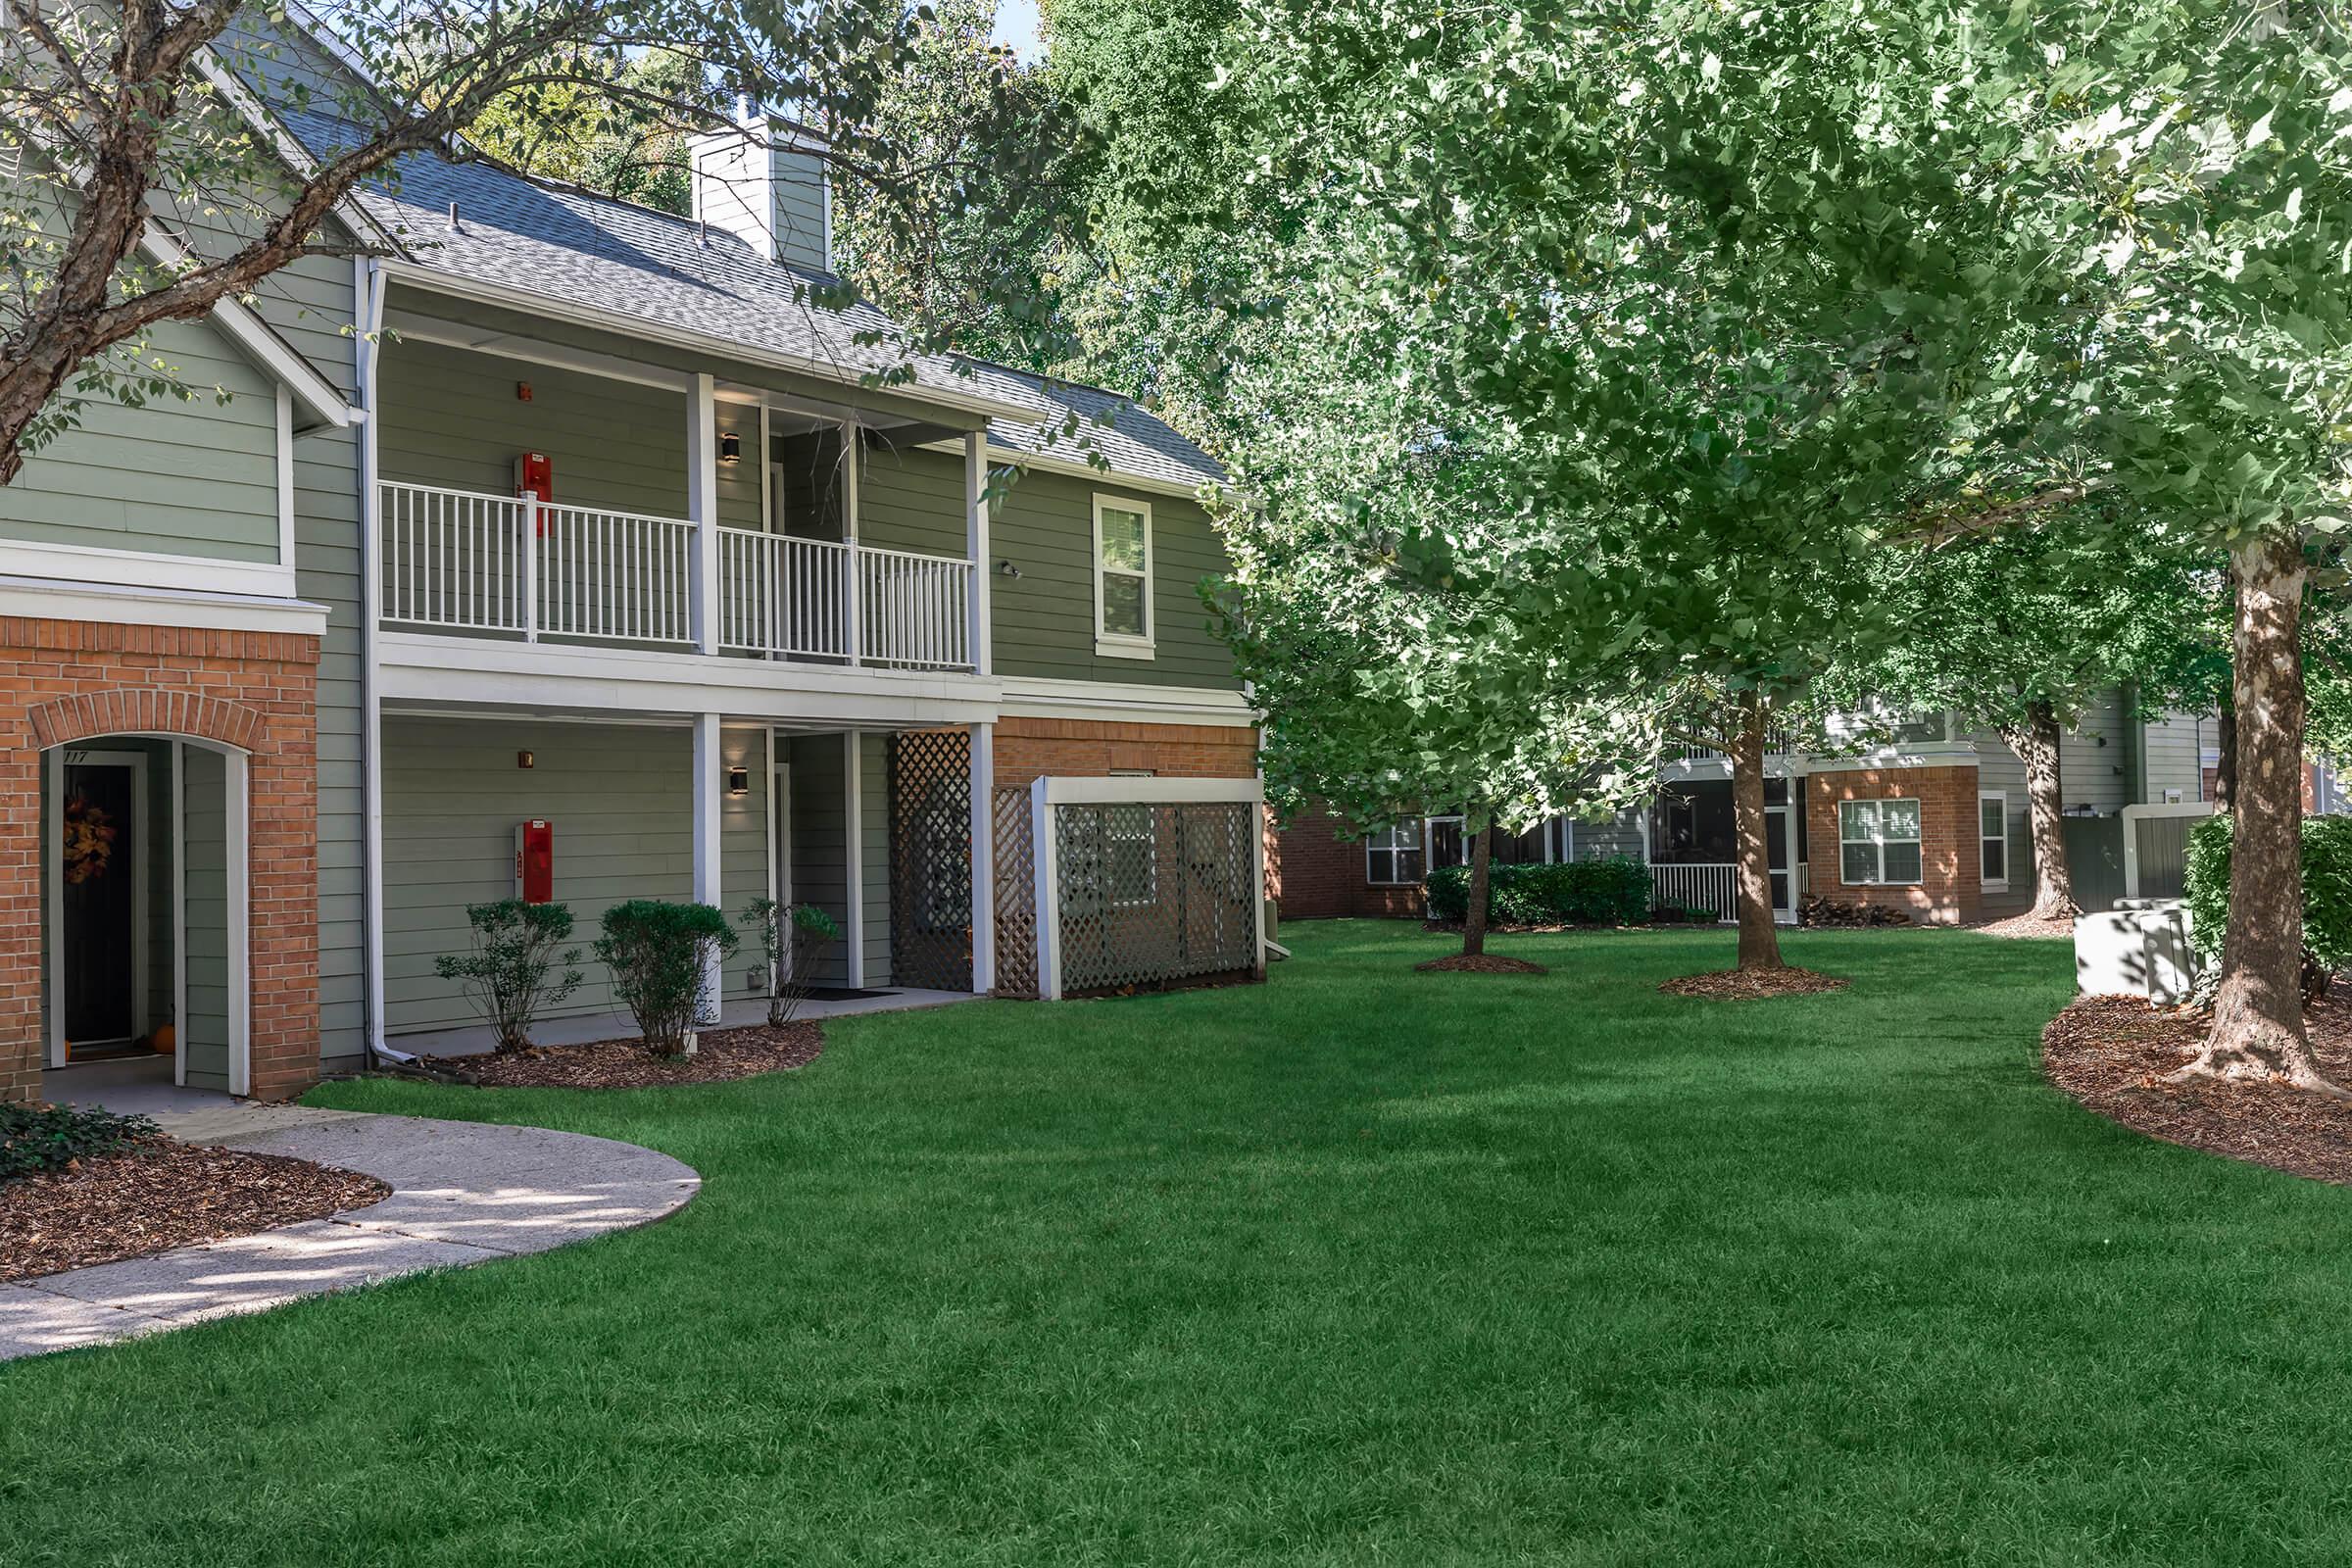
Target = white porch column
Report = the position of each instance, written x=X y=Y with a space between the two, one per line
x=709 y=783
x=702 y=507
x=976 y=549
x=853 y=820
x=984 y=859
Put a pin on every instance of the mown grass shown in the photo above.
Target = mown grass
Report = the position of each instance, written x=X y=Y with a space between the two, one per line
x=1365 y=1266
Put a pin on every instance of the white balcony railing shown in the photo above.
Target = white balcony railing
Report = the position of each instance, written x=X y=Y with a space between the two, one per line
x=1710 y=886
x=467 y=561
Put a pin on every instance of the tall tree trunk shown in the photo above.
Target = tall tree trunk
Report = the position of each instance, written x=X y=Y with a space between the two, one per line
x=2035 y=743
x=2225 y=770
x=1759 y=938
x=1482 y=867
x=2258 y=1015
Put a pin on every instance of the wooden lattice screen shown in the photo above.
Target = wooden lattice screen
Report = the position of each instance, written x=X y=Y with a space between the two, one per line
x=1153 y=893
x=931 y=859
x=1016 y=894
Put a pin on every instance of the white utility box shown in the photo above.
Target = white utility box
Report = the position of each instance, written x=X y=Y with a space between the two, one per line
x=2138 y=949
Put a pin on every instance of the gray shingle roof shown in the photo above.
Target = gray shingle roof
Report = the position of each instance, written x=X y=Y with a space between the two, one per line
x=576 y=248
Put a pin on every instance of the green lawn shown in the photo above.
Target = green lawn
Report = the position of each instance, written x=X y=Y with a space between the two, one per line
x=1365 y=1266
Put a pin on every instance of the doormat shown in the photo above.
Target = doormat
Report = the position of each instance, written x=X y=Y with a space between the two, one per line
x=844 y=994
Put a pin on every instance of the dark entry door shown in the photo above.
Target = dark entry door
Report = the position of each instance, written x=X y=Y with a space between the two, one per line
x=98 y=826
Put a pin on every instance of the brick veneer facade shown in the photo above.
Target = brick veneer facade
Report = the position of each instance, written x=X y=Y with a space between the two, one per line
x=1951 y=888
x=1067 y=747
x=1324 y=876
x=63 y=681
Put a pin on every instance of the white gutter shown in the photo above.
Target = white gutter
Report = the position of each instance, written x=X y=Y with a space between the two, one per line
x=368 y=298
x=433 y=280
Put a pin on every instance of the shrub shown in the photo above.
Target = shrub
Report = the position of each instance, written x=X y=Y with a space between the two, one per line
x=659 y=955
x=2326 y=890
x=789 y=936
x=1610 y=891
x=52 y=1136
x=511 y=974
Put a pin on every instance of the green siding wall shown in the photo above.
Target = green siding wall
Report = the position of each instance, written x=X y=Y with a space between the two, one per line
x=1044 y=619
x=621 y=801
x=192 y=478
x=451 y=417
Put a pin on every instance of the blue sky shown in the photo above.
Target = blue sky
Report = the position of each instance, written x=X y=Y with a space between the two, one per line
x=1016 y=25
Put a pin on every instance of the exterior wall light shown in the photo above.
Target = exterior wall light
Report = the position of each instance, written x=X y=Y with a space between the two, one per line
x=739 y=781
x=730 y=447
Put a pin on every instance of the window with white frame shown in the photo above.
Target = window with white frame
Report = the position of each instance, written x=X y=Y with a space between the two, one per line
x=1393 y=855
x=1878 y=842
x=1992 y=831
x=1123 y=577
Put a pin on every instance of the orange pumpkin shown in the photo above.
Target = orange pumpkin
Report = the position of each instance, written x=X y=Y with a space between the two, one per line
x=163 y=1041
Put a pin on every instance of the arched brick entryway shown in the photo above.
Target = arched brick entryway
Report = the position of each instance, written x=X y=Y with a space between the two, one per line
x=251 y=693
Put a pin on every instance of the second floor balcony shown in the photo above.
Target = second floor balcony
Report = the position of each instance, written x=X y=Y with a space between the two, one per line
x=476 y=563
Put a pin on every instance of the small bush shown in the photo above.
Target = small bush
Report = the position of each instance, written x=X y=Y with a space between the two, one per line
x=511 y=974
x=52 y=1136
x=1611 y=890
x=2326 y=889
x=659 y=955
x=789 y=936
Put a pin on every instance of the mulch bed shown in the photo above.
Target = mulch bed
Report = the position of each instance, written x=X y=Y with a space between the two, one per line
x=720 y=1054
x=1746 y=985
x=1480 y=963
x=2025 y=925
x=2112 y=1053
x=163 y=1196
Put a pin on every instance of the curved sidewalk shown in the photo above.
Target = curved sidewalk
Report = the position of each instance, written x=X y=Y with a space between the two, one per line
x=462 y=1192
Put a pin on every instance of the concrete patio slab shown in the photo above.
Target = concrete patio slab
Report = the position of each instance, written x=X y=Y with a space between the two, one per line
x=462 y=1192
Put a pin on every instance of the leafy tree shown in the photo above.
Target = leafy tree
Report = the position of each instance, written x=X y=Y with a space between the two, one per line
x=2020 y=630
x=607 y=122
x=150 y=181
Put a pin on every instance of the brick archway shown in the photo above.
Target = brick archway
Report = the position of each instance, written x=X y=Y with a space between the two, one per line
x=146 y=710
x=252 y=694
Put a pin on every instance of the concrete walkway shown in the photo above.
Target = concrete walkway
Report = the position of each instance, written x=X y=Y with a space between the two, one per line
x=462 y=1192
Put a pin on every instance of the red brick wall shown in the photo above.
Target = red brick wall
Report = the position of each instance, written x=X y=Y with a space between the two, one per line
x=1951 y=873
x=1324 y=876
x=1069 y=748
x=68 y=681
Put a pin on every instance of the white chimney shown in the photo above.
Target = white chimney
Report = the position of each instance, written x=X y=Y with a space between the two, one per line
x=767 y=187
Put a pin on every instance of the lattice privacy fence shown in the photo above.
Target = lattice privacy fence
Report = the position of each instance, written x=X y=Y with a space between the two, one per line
x=1144 y=882
x=931 y=859
x=1015 y=845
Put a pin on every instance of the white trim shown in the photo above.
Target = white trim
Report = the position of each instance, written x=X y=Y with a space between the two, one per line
x=984 y=859
x=2000 y=884
x=370 y=288
x=91 y=567
x=1046 y=898
x=1116 y=702
x=1136 y=790
x=423 y=668
x=1878 y=841
x=53 y=788
x=285 y=480
x=709 y=802
x=434 y=281
x=1107 y=642
x=409 y=327
x=253 y=335
x=852 y=820
x=977 y=551
x=179 y=913
x=238 y=862
x=1419 y=846
x=768 y=471
x=779 y=825
x=1070 y=468
x=701 y=510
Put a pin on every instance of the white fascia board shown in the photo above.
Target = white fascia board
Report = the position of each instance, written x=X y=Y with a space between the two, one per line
x=66 y=599
x=253 y=335
x=1072 y=468
x=532 y=676
x=1114 y=702
x=435 y=281
x=1066 y=790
